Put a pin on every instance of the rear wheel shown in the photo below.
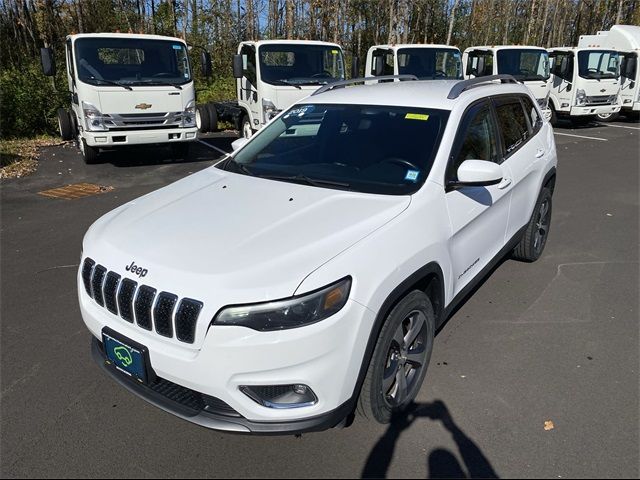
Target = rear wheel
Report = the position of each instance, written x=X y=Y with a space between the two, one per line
x=400 y=360
x=202 y=118
x=213 y=117
x=608 y=117
x=535 y=236
x=64 y=124
x=91 y=155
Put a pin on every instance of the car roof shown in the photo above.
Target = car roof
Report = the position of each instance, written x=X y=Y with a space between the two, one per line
x=419 y=94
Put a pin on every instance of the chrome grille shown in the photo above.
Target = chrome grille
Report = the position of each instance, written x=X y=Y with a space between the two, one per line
x=601 y=99
x=165 y=312
x=113 y=121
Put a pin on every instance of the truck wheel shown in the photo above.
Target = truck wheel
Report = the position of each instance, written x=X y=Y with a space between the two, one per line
x=535 y=236
x=608 y=117
x=180 y=150
x=91 y=155
x=202 y=118
x=247 y=131
x=213 y=117
x=400 y=359
x=64 y=124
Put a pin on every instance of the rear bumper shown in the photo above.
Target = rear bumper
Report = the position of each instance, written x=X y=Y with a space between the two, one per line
x=221 y=418
x=594 y=110
x=111 y=139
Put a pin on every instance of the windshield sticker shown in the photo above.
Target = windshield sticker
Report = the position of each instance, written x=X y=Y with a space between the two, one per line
x=416 y=116
x=177 y=47
x=412 y=176
x=300 y=112
x=334 y=52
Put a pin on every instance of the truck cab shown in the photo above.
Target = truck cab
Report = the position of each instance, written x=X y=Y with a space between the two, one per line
x=272 y=75
x=126 y=89
x=427 y=62
x=585 y=82
x=527 y=64
x=626 y=40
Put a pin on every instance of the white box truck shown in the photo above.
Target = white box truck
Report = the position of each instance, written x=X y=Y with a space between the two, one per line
x=425 y=61
x=584 y=82
x=626 y=40
x=527 y=64
x=127 y=89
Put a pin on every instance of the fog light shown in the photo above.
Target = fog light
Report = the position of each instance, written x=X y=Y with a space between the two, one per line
x=190 y=135
x=100 y=139
x=281 y=396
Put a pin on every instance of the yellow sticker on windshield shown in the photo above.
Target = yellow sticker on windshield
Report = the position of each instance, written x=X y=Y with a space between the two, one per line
x=334 y=52
x=416 y=116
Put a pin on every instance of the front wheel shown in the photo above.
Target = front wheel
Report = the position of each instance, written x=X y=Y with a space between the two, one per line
x=247 y=131
x=90 y=154
x=608 y=117
x=535 y=236
x=400 y=359
x=65 y=125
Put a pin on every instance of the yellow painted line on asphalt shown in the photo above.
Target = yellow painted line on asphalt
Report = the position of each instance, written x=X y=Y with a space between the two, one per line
x=581 y=136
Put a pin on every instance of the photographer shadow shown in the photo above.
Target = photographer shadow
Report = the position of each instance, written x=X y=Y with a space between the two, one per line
x=441 y=463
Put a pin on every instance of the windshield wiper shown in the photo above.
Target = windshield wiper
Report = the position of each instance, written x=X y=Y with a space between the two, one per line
x=111 y=82
x=238 y=166
x=154 y=83
x=315 y=182
x=287 y=82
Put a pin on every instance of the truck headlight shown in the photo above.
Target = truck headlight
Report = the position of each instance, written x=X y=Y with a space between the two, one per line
x=543 y=103
x=288 y=313
x=581 y=97
x=93 y=118
x=189 y=115
x=269 y=109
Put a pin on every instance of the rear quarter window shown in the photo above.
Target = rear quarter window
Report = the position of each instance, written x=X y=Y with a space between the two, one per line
x=512 y=122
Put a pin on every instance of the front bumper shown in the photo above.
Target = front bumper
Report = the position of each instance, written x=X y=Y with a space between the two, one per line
x=594 y=110
x=114 y=138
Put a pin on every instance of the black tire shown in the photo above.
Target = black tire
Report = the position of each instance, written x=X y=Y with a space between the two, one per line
x=64 y=124
x=535 y=236
x=608 y=117
x=74 y=125
x=213 y=117
x=391 y=357
x=91 y=155
x=554 y=116
x=180 y=150
x=202 y=118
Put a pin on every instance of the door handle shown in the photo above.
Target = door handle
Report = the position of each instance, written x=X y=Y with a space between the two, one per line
x=540 y=153
x=505 y=183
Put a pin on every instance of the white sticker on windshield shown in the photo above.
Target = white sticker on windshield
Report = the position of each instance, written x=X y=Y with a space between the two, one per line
x=412 y=175
x=177 y=47
x=300 y=112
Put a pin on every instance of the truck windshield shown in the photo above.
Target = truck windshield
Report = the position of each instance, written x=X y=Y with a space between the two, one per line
x=524 y=64
x=430 y=63
x=598 y=64
x=131 y=61
x=372 y=149
x=286 y=64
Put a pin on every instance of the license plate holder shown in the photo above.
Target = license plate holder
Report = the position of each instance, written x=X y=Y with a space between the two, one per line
x=127 y=356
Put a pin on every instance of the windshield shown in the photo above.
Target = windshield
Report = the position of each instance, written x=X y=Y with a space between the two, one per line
x=129 y=61
x=598 y=64
x=524 y=64
x=282 y=64
x=373 y=149
x=430 y=63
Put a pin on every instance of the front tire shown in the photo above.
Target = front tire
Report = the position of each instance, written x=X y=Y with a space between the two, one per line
x=400 y=359
x=247 y=131
x=535 y=236
x=64 y=124
x=91 y=155
x=608 y=117
x=202 y=118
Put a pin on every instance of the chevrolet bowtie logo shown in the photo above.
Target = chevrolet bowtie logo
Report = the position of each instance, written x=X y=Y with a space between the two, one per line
x=143 y=106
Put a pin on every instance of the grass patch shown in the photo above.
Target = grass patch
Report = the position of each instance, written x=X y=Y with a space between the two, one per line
x=19 y=157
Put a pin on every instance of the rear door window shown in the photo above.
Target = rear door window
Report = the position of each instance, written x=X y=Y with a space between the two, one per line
x=512 y=123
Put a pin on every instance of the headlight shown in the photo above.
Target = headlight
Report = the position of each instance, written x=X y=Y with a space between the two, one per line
x=189 y=115
x=543 y=102
x=93 y=117
x=269 y=110
x=581 y=97
x=289 y=313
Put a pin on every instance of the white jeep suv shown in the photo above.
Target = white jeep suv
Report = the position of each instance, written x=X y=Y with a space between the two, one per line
x=304 y=276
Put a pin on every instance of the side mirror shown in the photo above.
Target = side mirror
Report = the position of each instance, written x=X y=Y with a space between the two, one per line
x=355 y=66
x=48 y=62
x=205 y=64
x=237 y=144
x=379 y=66
x=630 y=67
x=237 y=66
x=479 y=173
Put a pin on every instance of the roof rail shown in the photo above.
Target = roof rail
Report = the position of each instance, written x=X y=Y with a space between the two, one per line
x=465 y=85
x=353 y=81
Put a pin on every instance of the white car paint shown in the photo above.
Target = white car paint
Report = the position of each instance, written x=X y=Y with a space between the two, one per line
x=230 y=239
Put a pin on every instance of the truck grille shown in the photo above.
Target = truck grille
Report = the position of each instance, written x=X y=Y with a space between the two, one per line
x=601 y=100
x=141 y=304
x=115 y=121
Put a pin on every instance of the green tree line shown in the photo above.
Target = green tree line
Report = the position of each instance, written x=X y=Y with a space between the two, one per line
x=29 y=100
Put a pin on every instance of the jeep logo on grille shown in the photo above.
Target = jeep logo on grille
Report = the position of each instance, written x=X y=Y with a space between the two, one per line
x=135 y=269
x=143 y=106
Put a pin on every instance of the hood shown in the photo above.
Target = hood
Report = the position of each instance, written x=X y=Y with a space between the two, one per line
x=161 y=99
x=227 y=238
x=596 y=88
x=284 y=97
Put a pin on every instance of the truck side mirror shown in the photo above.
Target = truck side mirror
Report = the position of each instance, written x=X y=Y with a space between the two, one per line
x=355 y=66
x=630 y=67
x=480 y=66
x=379 y=66
x=205 y=64
x=237 y=66
x=48 y=62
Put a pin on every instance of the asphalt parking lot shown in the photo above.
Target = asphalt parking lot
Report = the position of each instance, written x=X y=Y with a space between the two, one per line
x=535 y=376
